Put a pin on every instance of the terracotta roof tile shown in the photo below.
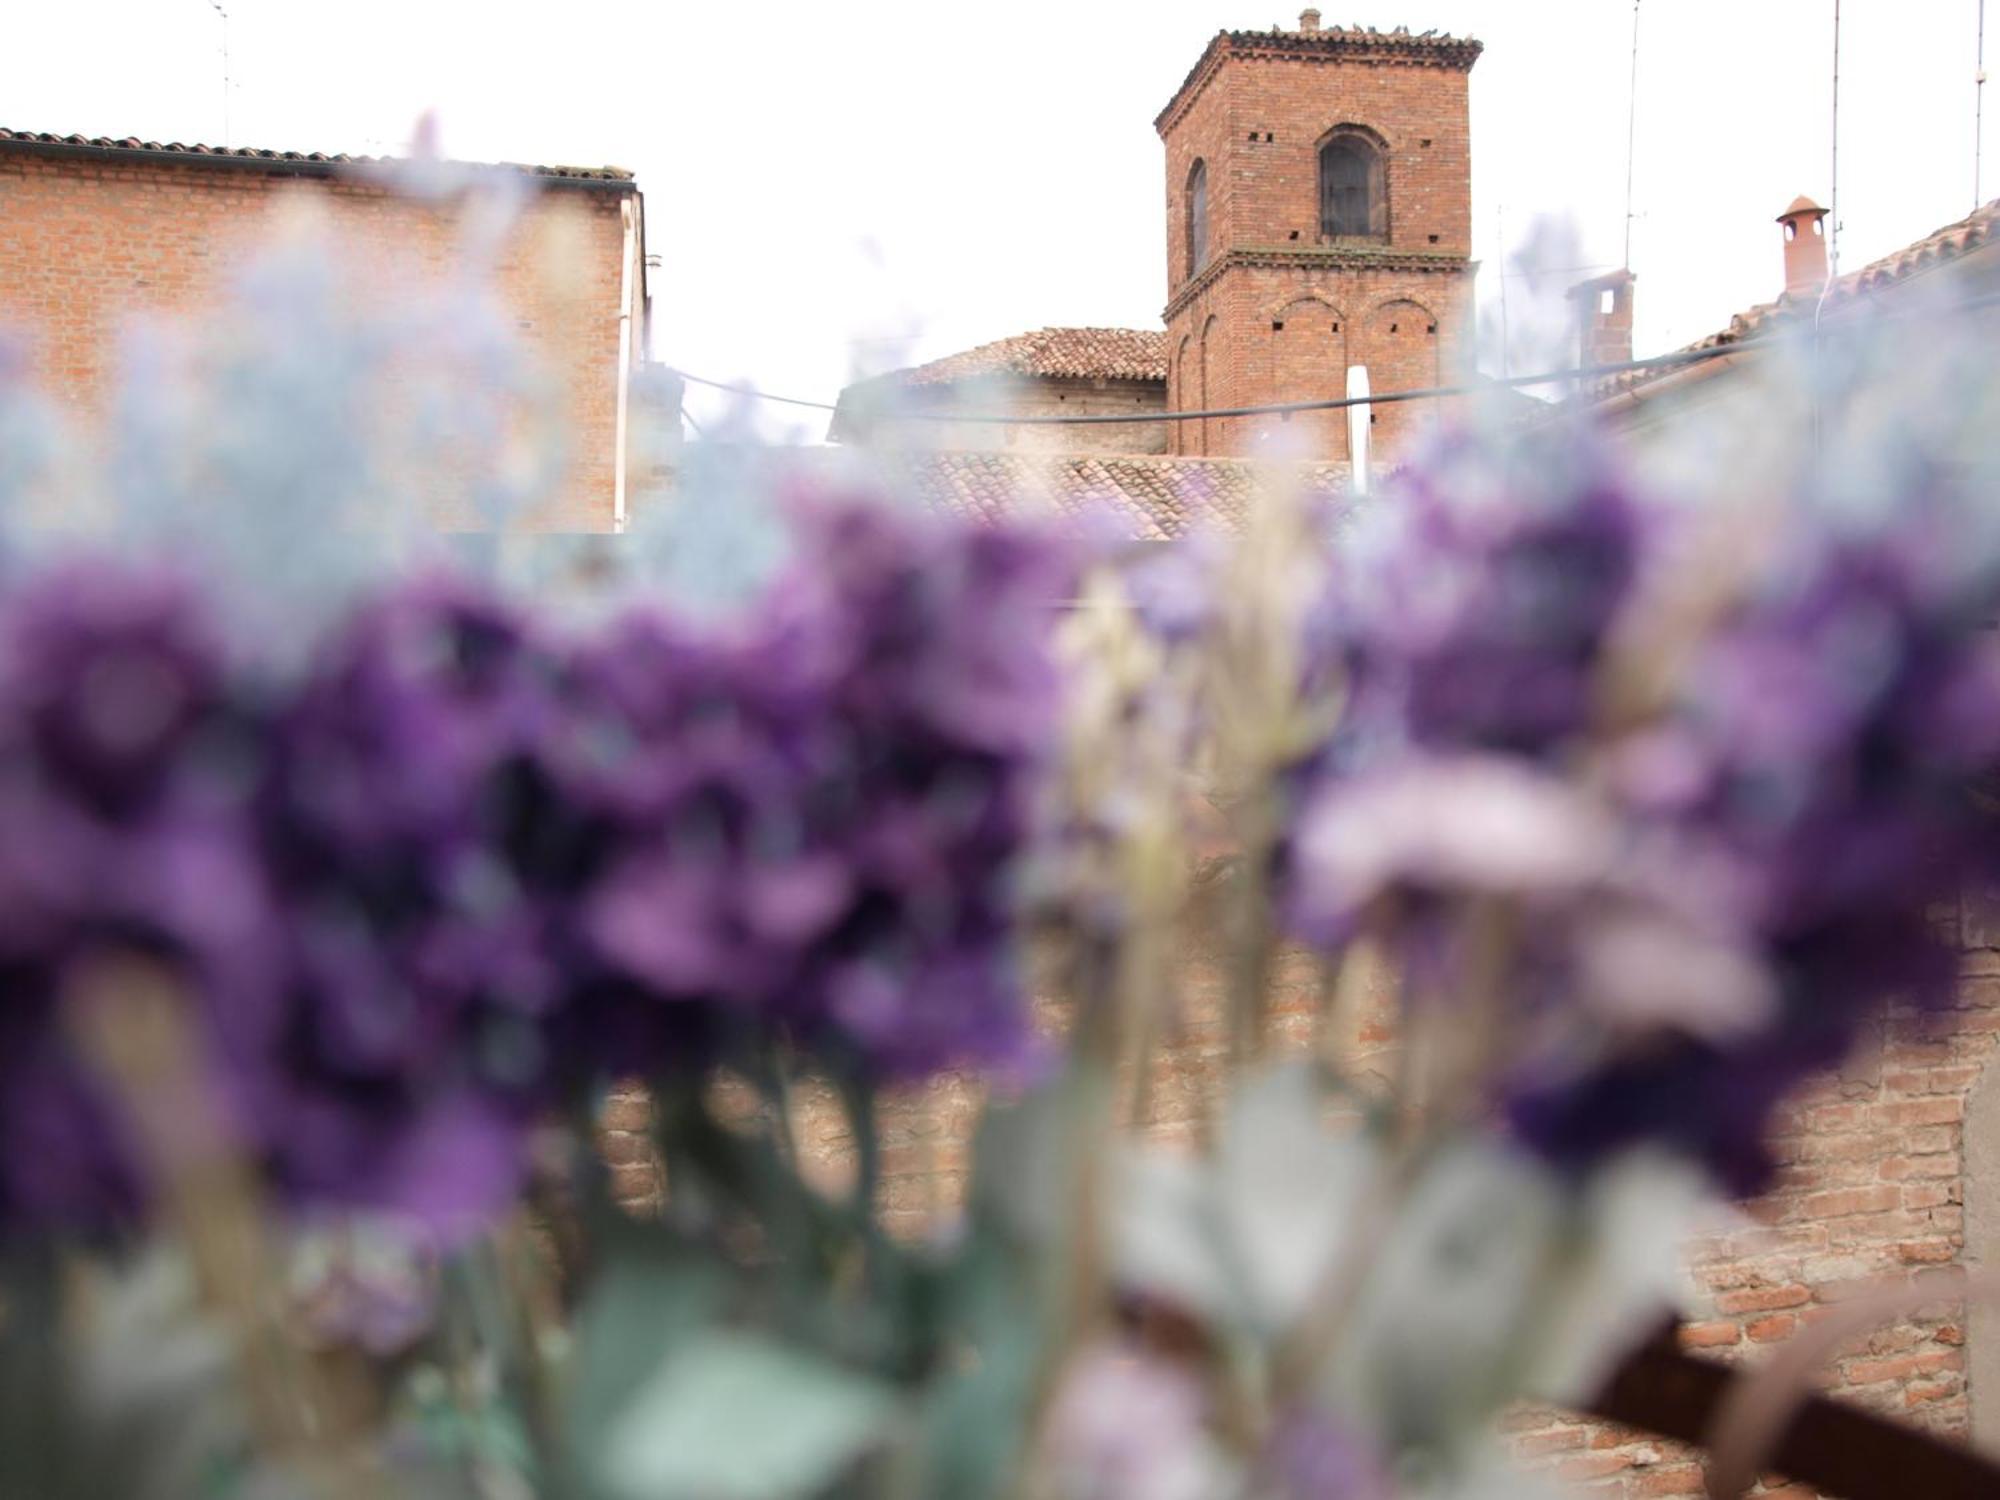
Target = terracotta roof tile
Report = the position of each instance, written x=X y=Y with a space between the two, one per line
x=1157 y=498
x=1975 y=230
x=313 y=163
x=1054 y=353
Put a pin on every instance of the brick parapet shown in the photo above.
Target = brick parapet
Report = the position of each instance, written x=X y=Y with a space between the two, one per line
x=93 y=242
x=1257 y=120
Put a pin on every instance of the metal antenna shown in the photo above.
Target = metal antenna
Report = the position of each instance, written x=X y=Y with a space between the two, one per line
x=1979 y=110
x=216 y=6
x=1833 y=212
x=1632 y=130
x=1833 y=238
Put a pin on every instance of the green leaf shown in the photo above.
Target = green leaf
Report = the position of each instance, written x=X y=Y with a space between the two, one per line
x=975 y=1409
x=1438 y=1332
x=1622 y=1271
x=1168 y=1235
x=639 y=1311
x=734 y=1416
x=1288 y=1187
x=1244 y=1239
x=1023 y=1171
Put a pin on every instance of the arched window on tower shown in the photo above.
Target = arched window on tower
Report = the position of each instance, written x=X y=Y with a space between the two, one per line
x=1197 y=217
x=1353 y=187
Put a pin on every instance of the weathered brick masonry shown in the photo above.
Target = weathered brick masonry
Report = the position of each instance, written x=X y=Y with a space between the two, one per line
x=1278 y=308
x=1872 y=1192
x=95 y=234
x=1878 y=1162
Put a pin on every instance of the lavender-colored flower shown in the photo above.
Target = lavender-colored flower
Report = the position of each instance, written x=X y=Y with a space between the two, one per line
x=456 y=868
x=1312 y=1456
x=1832 y=730
x=1474 y=600
x=1767 y=836
x=841 y=793
x=1465 y=825
x=123 y=775
x=364 y=1286
x=110 y=674
x=404 y=827
x=1128 y=1425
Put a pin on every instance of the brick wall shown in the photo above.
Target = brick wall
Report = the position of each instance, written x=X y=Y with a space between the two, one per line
x=89 y=245
x=1871 y=1192
x=1601 y=310
x=1274 y=315
x=1262 y=334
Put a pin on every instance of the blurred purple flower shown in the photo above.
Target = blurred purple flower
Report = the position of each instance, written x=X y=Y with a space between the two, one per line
x=1474 y=608
x=457 y=870
x=1703 y=904
x=839 y=794
x=1311 y=1456
x=406 y=825
x=124 y=770
x=1832 y=730
x=1126 y=1425
x=365 y=1286
x=1460 y=825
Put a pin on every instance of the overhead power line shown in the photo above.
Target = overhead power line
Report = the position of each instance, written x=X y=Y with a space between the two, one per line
x=1978 y=106
x=1631 y=132
x=752 y=391
x=1679 y=359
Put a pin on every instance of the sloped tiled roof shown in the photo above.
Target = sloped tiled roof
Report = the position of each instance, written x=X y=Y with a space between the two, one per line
x=297 y=163
x=1052 y=353
x=1939 y=248
x=1138 y=354
x=1157 y=498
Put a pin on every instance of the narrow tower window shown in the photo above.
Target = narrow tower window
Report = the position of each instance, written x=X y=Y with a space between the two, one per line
x=1197 y=217
x=1353 y=191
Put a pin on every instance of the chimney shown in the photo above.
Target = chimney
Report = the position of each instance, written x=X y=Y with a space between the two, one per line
x=1603 y=317
x=1805 y=248
x=1309 y=20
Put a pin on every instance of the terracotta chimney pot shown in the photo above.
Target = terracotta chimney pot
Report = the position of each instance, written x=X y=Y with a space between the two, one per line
x=1805 y=248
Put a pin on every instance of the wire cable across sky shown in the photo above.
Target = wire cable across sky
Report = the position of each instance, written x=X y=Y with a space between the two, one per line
x=1680 y=358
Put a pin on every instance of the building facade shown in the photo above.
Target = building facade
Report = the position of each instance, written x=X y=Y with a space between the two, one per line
x=97 y=233
x=1097 y=372
x=1319 y=217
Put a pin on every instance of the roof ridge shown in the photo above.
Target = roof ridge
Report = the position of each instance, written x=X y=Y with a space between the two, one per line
x=1941 y=246
x=197 y=153
x=1055 y=351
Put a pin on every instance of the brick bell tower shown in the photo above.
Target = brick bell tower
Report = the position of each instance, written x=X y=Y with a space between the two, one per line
x=1319 y=215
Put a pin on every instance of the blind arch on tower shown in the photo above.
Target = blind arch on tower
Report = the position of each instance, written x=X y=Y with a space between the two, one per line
x=1353 y=185
x=1203 y=395
x=1180 y=394
x=1197 y=216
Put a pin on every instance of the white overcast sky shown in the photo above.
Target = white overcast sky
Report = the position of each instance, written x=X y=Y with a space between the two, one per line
x=832 y=188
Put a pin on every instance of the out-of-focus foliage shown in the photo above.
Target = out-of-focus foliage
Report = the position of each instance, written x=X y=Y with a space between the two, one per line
x=345 y=870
